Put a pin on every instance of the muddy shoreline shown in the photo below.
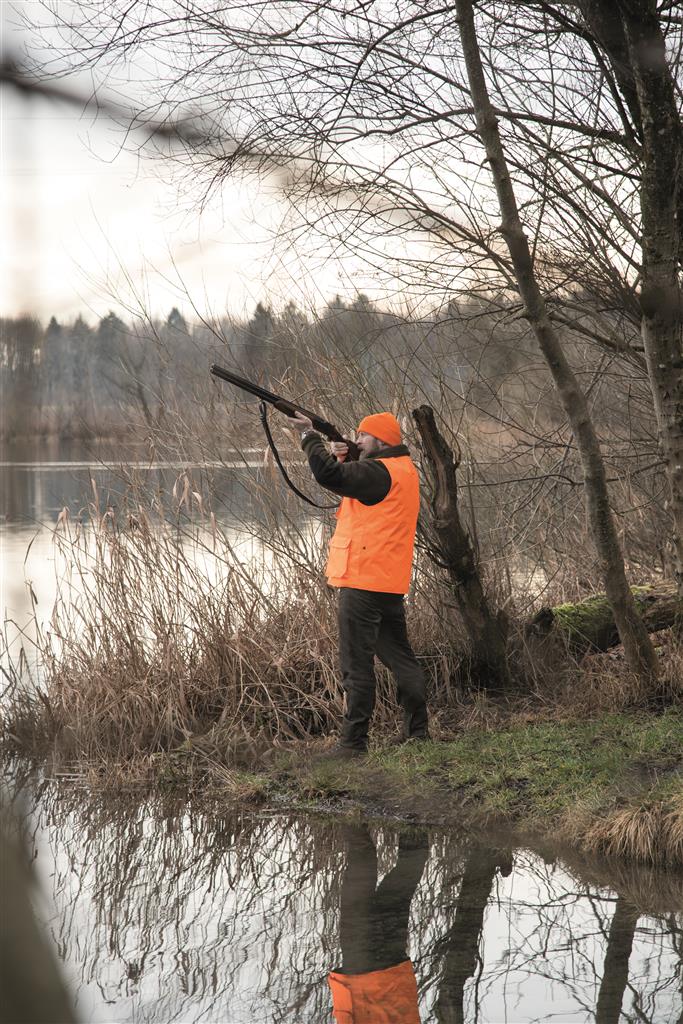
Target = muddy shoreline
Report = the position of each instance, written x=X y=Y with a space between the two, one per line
x=611 y=786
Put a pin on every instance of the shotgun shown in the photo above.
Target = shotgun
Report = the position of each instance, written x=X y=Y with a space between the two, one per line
x=289 y=408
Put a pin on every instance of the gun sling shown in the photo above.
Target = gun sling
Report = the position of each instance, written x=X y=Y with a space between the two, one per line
x=290 y=409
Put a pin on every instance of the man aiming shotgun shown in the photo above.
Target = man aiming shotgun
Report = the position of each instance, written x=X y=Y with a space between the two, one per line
x=370 y=562
x=370 y=558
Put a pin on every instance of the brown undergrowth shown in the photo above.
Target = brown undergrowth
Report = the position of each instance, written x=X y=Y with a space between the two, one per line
x=175 y=656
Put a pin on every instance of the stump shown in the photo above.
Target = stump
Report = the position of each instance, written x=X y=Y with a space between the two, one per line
x=452 y=549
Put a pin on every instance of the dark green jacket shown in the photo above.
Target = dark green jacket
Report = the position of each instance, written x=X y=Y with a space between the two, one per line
x=366 y=480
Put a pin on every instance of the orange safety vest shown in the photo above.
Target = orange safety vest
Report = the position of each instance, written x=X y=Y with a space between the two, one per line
x=372 y=546
x=379 y=997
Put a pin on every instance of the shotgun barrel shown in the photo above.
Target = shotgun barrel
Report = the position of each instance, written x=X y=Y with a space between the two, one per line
x=284 y=405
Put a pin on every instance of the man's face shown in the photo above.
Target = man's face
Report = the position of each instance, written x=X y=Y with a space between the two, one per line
x=367 y=444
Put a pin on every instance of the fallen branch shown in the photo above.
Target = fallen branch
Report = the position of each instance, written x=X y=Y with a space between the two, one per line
x=589 y=625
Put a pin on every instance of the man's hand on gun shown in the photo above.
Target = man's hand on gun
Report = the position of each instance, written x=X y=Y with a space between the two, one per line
x=301 y=423
x=339 y=450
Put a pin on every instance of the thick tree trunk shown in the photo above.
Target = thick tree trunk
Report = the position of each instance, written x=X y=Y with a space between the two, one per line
x=662 y=323
x=487 y=631
x=639 y=651
x=589 y=625
x=637 y=51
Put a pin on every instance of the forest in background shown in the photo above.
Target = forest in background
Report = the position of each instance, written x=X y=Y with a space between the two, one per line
x=473 y=361
x=111 y=379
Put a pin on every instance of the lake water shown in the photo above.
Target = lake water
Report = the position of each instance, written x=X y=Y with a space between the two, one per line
x=162 y=911
x=38 y=481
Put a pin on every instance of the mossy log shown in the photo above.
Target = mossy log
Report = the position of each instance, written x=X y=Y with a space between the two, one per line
x=589 y=625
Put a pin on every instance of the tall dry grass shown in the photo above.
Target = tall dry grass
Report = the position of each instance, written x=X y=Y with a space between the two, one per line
x=649 y=834
x=171 y=627
x=202 y=616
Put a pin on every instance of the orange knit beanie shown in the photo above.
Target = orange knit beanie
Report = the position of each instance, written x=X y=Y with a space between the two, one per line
x=383 y=426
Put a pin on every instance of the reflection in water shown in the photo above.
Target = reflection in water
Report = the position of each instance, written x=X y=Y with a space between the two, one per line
x=162 y=913
x=622 y=932
x=461 y=942
x=376 y=981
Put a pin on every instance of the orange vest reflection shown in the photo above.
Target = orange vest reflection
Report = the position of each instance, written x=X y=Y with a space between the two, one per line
x=380 y=997
x=376 y=982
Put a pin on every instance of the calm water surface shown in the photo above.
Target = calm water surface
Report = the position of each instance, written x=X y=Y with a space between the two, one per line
x=166 y=913
x=38 y=480
x=163 y=913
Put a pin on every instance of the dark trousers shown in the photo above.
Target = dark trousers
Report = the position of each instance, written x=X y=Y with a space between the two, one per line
x=374 y=920
x=370 y=624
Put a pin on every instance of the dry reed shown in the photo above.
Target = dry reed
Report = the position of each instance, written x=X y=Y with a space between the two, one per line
x=166 y=632
x=651 y=833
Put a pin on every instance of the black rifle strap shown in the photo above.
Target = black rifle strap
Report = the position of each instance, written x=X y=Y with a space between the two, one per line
x=263 y=409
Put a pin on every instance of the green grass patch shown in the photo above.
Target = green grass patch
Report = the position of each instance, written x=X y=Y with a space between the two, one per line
x=542 y=770
x=556 y=777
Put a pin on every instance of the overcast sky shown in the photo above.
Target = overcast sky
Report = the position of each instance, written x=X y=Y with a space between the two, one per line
x=88 y=227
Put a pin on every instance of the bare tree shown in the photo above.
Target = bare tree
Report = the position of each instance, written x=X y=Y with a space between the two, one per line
x=370 y=121
x=632 y=631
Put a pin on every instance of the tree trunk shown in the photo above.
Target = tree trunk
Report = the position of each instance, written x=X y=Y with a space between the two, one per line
x=660 y=194
x=639 y=651
x=462 y=941
x=615 y=971
x=487 y=631
x=637 y=51
x=589 y=625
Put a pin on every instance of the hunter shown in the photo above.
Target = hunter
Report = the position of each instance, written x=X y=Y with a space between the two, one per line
x=370 y=563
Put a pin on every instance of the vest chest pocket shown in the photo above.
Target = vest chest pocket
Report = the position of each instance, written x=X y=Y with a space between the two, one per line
x=338 y=559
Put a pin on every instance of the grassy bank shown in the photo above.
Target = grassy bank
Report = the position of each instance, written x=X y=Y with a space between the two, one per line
x=174 y=657
x=612 y=785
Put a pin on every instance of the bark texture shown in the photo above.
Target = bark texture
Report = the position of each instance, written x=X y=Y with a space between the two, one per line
x=486 y=630
x=630 y=33
x=589 y=625
x=639 y=651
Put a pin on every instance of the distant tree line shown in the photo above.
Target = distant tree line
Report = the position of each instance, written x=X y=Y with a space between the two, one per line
x=114 y=378
x=79 y=380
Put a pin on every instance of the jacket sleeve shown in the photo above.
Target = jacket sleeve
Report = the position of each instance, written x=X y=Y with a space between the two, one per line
x=367 y=480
